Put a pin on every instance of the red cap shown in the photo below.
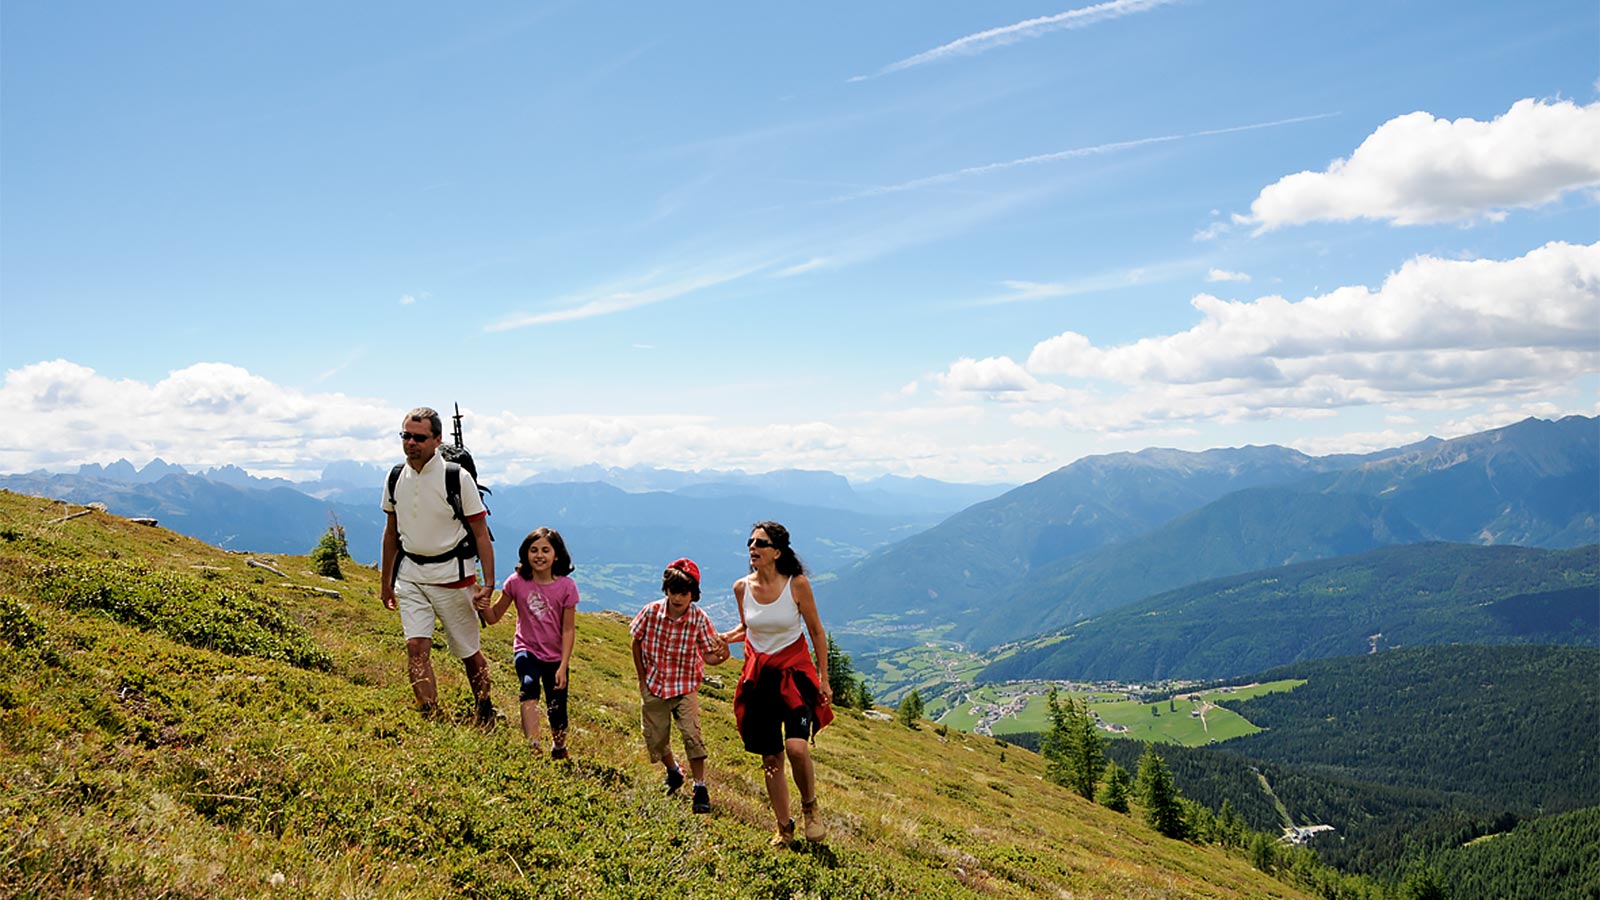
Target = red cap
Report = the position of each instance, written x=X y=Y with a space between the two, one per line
x=687 y=566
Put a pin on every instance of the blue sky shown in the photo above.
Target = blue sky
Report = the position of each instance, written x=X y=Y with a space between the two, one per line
x=969 y=241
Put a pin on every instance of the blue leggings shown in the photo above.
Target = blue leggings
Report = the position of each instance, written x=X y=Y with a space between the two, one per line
x=534 y=672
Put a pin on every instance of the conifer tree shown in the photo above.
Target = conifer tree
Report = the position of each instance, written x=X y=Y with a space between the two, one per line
x=1158 y=795
x=842 y=675
x=1088 y=750
x=1055 y=745
x=1114 y=796
x=331 y=548
x=910 y=709
x=1073 y=750
x=1262 y=853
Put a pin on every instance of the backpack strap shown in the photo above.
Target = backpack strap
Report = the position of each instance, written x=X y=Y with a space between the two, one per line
x=452 y=489
x=394 y=478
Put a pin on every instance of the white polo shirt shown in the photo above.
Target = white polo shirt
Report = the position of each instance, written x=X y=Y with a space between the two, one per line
x=428 y=527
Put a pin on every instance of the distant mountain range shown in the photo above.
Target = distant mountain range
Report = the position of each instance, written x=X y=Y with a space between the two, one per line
x=1111 y=530
x=620 y=539
x=1403 y=596
x=898 y=560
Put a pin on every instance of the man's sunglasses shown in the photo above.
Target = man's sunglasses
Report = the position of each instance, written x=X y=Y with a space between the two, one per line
x=763 y=543
x=419 y=438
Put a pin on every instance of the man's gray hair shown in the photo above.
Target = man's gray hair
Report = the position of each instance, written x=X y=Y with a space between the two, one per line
x=429 y=415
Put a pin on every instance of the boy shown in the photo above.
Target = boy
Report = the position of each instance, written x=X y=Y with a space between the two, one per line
x=672 y=642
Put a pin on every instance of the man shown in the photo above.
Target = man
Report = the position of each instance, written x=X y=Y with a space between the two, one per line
x=429 y=570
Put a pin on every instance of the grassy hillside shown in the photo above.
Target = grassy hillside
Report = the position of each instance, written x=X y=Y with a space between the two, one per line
x=1396 y=596
x=175 y=723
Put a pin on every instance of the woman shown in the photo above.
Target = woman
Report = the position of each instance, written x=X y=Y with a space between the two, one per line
x=783 y=698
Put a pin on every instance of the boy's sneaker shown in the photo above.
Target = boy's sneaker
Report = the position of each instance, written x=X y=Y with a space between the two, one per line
x=487 y=715
x=558 y=753
x=702 y=799
x=784 y=836
x=674 y=780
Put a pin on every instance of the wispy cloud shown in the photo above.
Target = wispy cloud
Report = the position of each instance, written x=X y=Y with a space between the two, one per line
x=1155 y=273
x=608 y=301
x=1216 y=275
x=1074 y=153
x=815 y=262
x=973 y=44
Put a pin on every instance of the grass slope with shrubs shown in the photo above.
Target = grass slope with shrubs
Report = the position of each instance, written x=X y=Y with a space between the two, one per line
x=176 y=723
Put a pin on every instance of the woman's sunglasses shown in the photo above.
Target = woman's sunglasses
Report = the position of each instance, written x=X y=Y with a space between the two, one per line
x=763 y=543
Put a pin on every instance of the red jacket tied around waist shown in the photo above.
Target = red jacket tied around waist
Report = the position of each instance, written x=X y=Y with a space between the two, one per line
x=774 y=684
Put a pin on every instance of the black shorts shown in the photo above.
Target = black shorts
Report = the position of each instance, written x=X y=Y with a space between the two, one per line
x=768 y=724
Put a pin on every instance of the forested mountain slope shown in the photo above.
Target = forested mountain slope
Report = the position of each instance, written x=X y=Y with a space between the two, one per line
x=1396 y=596
x=1513 y=724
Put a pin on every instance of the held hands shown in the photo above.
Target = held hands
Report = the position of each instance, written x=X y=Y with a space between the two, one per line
x=717 y=653
x=482 y=597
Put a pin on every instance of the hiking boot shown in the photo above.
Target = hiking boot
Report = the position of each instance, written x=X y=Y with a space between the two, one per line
x=702 y=799
x=674 y=780
x=558 y=753
x=784 y=836
x=814 y=830
x=487 y=716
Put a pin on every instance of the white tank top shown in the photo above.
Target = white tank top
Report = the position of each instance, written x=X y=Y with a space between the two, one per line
x=770 y=627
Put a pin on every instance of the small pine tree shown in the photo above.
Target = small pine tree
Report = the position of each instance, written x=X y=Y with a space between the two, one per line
x=331 y=548
x=842 y=676
x=1262 y=854
x=1073 y=750
x=864 y=698
x=1055 y=745
x=910 y=709
x=1114 y=795
x=1158 y=795
x=1088 y=750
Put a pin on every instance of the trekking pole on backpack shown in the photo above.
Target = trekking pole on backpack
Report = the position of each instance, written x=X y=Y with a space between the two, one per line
x=462 y=457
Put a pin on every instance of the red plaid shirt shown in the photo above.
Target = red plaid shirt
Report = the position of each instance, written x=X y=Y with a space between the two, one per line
x=673 y=650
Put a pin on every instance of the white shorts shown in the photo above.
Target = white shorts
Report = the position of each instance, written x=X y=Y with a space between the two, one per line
x=420 y=604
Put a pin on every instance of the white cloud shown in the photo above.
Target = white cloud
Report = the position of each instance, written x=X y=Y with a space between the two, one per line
x=1214 y=230
x=1439 y=334
x=206 y=414
x=1432 y=309
x=974 y=44
x=1416 y=169
x=1356 y=442
x=407 y=299
x=996 y=374
x=212 y=414
x=1216 y=275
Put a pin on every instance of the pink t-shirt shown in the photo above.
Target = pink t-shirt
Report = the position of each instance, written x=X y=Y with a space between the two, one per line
x=539 y=609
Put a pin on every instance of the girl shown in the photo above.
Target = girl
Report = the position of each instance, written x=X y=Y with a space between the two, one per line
x=547 y=606
x=783 y=698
